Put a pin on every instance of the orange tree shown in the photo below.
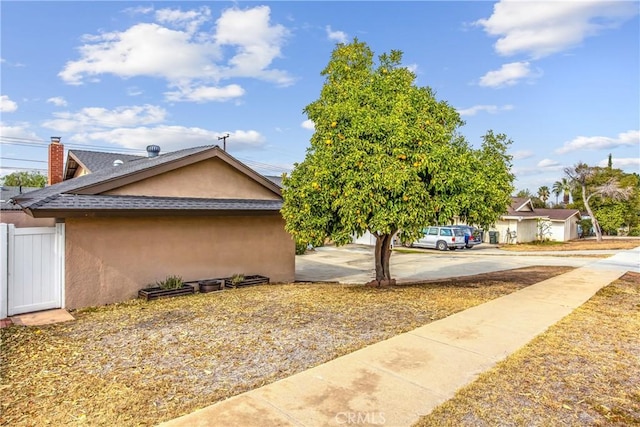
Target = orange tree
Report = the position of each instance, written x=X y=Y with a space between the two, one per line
x=386 y=156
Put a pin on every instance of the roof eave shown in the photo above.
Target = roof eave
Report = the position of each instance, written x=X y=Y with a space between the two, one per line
x=101 y=213
x=119 y=181
x=523 y=217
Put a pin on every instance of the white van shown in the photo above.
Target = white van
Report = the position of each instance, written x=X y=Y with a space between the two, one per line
x=441 y=238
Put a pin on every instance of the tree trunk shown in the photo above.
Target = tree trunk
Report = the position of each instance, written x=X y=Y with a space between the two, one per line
x=565 y=198
x=594 y=221
x=382 y=256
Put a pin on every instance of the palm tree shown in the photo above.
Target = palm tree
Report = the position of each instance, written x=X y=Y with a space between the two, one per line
x=562 y=186
x=556 y=189
x=543 y=194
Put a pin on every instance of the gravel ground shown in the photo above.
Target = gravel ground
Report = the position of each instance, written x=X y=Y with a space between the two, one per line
x=584 y=371
x=140 y=363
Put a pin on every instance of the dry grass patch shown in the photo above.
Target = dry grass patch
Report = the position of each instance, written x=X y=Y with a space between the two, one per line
x=574 y=245
x=140 y=363
x=585 y=370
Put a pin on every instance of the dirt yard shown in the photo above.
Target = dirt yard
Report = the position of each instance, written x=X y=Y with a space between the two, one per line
x=584 y=371
x=141 y=363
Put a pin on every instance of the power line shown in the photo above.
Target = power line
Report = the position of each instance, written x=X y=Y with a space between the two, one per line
x=17 y=168
x=23 y=160
x=35 y=143
x=17 y=138
x=44 y=144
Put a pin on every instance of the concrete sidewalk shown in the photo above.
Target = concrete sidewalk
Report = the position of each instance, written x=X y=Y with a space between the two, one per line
x=394 y=382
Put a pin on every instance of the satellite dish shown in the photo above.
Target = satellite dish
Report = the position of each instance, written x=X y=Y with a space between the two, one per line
x=117 y=162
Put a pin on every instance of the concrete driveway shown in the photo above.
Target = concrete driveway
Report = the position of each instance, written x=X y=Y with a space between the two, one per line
x=354 y=263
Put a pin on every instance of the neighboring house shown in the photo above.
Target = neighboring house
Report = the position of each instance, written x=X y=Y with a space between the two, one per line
x=13 y=214
x=130 y=221
x=520 y=223
x=563 y=222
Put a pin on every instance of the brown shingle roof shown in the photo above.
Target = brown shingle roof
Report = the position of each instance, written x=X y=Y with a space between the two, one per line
x=558 y=214
x=64 y=197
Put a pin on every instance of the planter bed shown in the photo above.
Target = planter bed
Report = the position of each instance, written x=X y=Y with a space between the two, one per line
x=206 y=286
x=248 y=281
x=158 y=292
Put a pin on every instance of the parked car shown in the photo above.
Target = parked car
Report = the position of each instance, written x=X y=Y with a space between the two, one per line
x=472 y=236
x=442 y=238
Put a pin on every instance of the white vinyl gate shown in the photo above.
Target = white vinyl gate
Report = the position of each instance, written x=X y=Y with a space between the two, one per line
x=32 y=269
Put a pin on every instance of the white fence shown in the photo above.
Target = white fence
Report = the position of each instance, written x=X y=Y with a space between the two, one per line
x=32 y=276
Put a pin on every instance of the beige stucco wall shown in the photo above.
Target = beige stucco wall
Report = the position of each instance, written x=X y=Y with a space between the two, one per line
x=525 y=230
x=21 y=219
x=212 y=178
x=110 y=259
x=80 y=171
x=563 y=231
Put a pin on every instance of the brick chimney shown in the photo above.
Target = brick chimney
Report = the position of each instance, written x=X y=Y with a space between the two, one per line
x=56 y=161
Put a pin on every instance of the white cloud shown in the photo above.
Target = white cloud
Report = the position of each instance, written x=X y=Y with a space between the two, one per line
x=171 y=138
x=138 y=10
x=181 y=50
x=190 y=20
x=7 y=105
x=11 y=64
x=308 y=124
x=93 y=118
x=142 y=50
x=491 y=109
x=17 y=130
x=508 y=75
x=134 y=91
x=542 y=167
x=548 y=163
x=257 y=42
x=624 y=163
x=58 y=101
x=412 y=67
x=630 y=138
x=523 y=154
x=206 y=93
x=337 y=36
x=543 y=28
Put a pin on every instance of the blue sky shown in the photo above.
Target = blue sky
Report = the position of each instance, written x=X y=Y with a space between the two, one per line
x=561 y=79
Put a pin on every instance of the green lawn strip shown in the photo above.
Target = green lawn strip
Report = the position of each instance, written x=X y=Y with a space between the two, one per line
x=585 y=370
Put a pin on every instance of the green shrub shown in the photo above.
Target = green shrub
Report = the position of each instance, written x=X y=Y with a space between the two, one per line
x=171 y=282
x=237 y=278
x=301 y=248
x=634 y=231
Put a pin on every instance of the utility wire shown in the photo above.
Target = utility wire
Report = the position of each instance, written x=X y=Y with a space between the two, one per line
x=23 y=160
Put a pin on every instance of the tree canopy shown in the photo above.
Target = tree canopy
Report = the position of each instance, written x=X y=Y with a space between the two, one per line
x=606 y=194
x=24 y=179
x=386 y=156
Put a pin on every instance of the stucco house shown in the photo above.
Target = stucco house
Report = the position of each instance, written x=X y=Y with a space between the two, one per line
x=13 y=214
x=132 y=220
x=563 y=223
x=520 y=223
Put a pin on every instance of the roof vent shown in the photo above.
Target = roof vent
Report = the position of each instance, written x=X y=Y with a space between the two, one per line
x=153 y=150
x=117 y=162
